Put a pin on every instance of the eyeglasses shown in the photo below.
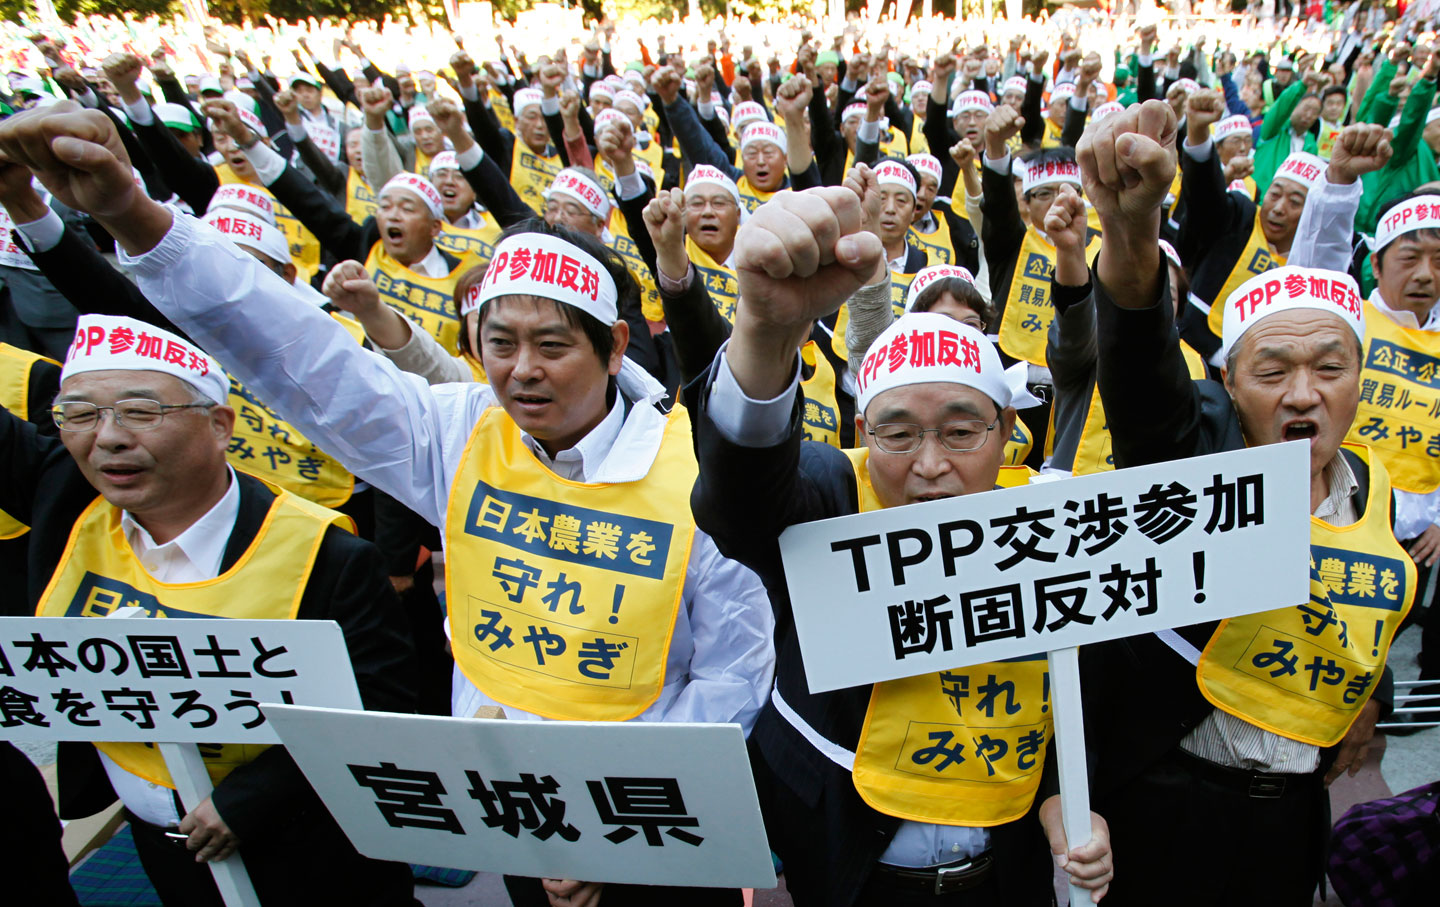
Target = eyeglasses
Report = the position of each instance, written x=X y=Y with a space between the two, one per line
x=906 y=437
x=136 y=415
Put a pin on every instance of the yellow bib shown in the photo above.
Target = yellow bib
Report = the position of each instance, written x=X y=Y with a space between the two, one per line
x=621 y=242
x=1255 y=259
x=477 y=243
x=961 y=747
x=360 y=199
x=98 y=573
x=15 y=365
x=720 y=280
x=531 y=174
x=1025 y=326
x=821 y=418
x=1399 y=412
x=1052 y=136
x=422 y=162
x=892 y=144
x=937 y=245
x=1094 y=452
x=1019 y=444
x=918 y=143
x=752 y=197
x=501 y=107
x=304 y=247
x=277 y=453
x=427 y=301
x=563 y=595
x=1304 y=672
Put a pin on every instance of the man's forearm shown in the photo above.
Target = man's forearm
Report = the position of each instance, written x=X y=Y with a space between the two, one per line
x=140 y=227
x=1129 y=262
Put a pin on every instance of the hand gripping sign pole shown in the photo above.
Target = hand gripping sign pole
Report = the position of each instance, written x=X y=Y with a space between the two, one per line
x=171 y=682
x=192 y=782
x=1001 y=576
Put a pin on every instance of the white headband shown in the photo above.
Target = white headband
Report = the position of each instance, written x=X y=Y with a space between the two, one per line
x=747 y=112
x=1014 y=83
x=1189 y=86
x=705 y=174
x=1239 y=124
x=445 y=160
x=524 y=99
x=602 y=89
x=1064 y=90
x=1283 y=289
x=608 y=116
x=422 y=188
x=852 y=111
x=418 y=113
x=1106 y=109
x=927 y=164
x=931 y=274
x=244 y=198
x=893 y=173
x=971 y=100
x=573 y=184
x=1419 y=213
x=762 y=132
x=919 y=88
x=104 y=342
x=1046 y=173
x=1305 y=169
x=926 y=347
x=539 y=264
x=1171 y=254
x=635 y=98
x=244 y=230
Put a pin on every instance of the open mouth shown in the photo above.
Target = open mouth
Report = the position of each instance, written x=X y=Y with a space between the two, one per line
x=1299 y=430
x=530 y=401
x=395 y=235
x=121 y=475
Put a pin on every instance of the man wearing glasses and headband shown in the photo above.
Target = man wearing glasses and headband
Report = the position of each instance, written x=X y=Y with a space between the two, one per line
x=849 y=826
x=146 y=500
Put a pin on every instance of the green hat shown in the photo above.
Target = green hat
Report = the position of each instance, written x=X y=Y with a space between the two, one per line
x=1122 y=75
x=634 y=66
x=176 y=116
x=785 y=77
x=827 y=56
x=307 y=79
x=895 y=77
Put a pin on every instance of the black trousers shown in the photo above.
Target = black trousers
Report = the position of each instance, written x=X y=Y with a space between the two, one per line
x=31 y=858
x=525 y=892
x=1181 y=838
x=304 y=862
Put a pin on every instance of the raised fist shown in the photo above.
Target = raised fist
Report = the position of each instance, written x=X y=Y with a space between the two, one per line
x=1359 y=149
x=1127 y=163
x=794 y=97
x=288 y=105
x=350 y=288
x=1004 y=123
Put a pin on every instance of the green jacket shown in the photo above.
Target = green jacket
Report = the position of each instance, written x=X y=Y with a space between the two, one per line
x=1411 y=164
x=1274 y=145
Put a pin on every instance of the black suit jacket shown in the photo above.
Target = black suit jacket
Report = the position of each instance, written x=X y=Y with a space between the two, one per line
x=827 y=836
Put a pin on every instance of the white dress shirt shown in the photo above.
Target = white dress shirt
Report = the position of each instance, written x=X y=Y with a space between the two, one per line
x=765 y=423
x=192 y=556
x=408 y=439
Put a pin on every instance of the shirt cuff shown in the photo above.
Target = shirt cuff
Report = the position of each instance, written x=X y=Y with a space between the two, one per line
x=630 y=185
x=1200 y=153
x=1079 y=103
x=470 y=158
x=44 y=234
x=848 y=84
x=140 y=113
x=707 y=109
x=869 y=131
x=470 y=92
x=1145 y=59
x=550 y=106
x=88 y=98
x=747 y=422
x=296 y=131
x=1001 y=166
x=268 y=164
x=676 y=286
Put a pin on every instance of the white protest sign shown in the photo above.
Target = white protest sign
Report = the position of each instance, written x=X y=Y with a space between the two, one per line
x=172 y=681
x=979 y=578
x=635 y=802
x=11 y=255
x=324 y=136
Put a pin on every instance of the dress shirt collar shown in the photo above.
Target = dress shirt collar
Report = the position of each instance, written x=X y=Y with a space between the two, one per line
x=581 y=461
x=432 y=265
x=202 y=544
x=1406 y=318
x=1338 y=508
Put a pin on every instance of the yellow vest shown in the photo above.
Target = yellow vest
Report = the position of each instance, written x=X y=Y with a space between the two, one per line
x=500 y=105
x=1019 y=444
x=99 y=573
x=304 y=247
x=752 y=197
x=277 y=453
x=720 y=280
x=621 y=242
x=918 y=143
x=15 y=366
x=470 y=242
x=427 y=301
x=1305 y=671
x=360 y=199
x=531 y=174
x=1025 y=325
x=422 y=162
x=821 y=418
x=1094 y=452
x=1399 y=412
x=961 y=747
x=1255 y=259
x=892 y=144
x=939 y=245
x=563 y=595
x=1052 y=136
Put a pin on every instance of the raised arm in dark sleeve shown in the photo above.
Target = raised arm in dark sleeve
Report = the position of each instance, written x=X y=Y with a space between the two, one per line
x=1034 y=129
x=155 y=183
x=1145 y=82
x=694 y=141
x=1210 y=210
x=329 y=175
x=87 y=280
x=1003 y=231
x=941 y=137
x=1074 y=125
x=494 y=191
x=496 y=141
x=339 y=82
x=827 y=143
x=192 y=179
x=324 y=216
x=696 y=326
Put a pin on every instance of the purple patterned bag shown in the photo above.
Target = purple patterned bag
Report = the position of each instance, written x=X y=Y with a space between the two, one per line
x=1386 y=853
